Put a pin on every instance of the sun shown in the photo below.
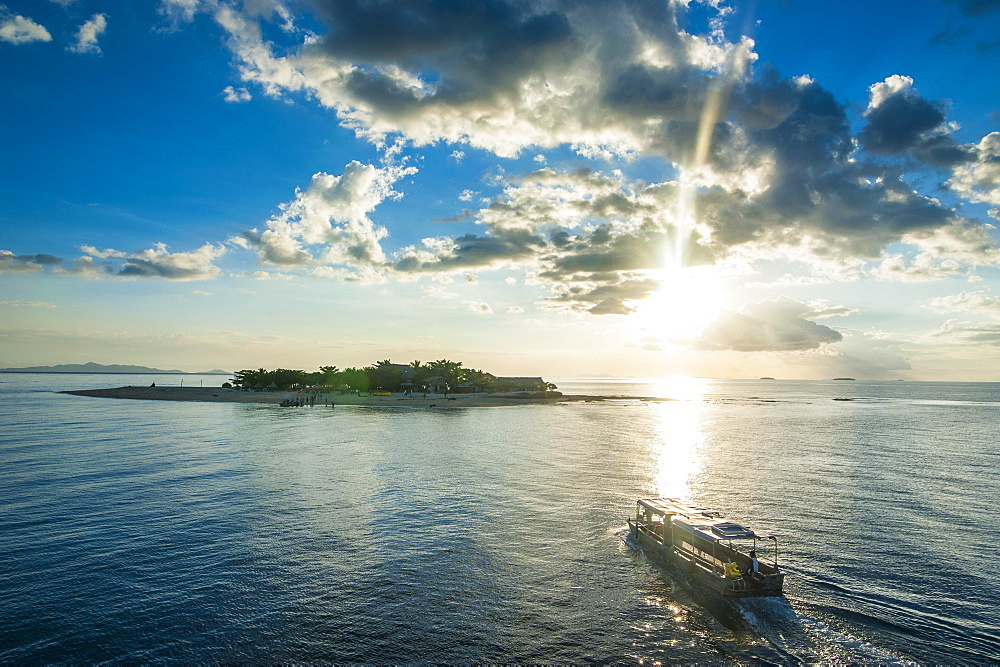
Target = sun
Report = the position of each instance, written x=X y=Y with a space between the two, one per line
x=688 y=300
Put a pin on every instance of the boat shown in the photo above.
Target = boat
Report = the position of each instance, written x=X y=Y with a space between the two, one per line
x=712 y=550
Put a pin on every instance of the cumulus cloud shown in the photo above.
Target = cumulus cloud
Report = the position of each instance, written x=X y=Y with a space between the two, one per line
x=979 y=180
x=901 y=122
x=776 y=325
x=327 y=223
x=88 y=34
x=17 y=29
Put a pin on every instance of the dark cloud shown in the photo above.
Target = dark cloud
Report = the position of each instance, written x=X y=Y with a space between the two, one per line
x=11 y=263
x=641 y=90
x=904 y=123
x=477 y=49
x=900 y=122
x=600 y=252
x=817 y=186
x=472 y=251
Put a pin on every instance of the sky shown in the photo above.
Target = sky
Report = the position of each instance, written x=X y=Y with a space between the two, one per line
x=628 y=188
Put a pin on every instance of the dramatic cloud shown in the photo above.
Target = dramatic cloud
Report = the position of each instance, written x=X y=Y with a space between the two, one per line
x=764 y=164
x=750 y=167
x=88 y=34
x=16 y=29
x=779 y=325
x=499 y=75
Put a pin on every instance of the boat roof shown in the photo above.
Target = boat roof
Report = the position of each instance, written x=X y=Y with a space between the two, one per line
x=707 y=525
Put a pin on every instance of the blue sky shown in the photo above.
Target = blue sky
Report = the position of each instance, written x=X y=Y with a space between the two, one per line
x=728 y=189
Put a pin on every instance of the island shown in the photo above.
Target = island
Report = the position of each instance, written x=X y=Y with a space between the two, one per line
x=441 y=383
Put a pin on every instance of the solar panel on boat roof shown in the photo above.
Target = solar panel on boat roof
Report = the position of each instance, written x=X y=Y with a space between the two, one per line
x=729 y=530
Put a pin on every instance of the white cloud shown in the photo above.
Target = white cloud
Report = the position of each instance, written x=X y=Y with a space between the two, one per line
x=102 y=254
x=158 y=262
x=327 y=224
x=479 y=307
x=966 y=333
x=979 y=180
x=978 y=302
x=236 y=95
x=155 y=262
x=180 y=10
x=17 y=29
x=88 y=34
x=893 y=85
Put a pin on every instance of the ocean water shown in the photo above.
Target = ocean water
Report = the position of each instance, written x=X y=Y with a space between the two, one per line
x=134 y=531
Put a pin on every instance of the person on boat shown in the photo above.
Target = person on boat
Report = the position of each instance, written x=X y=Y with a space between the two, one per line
x=753 y=569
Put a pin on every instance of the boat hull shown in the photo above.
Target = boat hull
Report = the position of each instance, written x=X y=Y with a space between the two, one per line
x=666 y=554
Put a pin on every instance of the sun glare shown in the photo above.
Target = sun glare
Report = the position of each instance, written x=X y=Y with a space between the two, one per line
x=688 y=301
x=679 y=435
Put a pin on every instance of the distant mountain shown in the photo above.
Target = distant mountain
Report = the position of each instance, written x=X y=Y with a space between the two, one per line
x=91 y=367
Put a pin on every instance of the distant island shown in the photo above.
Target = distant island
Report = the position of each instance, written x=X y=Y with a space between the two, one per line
x=843 y=378
x=118 y=369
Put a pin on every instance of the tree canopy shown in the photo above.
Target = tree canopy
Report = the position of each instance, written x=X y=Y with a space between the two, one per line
x=382 y=375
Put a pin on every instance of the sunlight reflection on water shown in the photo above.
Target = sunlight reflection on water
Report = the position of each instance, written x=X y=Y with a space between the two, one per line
x=678 y=445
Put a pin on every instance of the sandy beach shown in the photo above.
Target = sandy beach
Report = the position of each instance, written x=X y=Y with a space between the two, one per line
x=218 y=395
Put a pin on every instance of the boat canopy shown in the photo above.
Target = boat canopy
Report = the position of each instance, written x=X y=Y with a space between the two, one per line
x=707 y=525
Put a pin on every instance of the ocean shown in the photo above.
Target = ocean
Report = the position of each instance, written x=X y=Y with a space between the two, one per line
x=140 y=531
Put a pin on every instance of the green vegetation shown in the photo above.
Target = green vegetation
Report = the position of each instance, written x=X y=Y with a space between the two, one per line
x=434 y=376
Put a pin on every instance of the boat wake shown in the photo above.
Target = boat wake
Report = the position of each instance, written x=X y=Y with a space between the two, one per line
x=808 y=639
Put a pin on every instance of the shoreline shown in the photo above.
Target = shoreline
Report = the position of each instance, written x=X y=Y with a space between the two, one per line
x=219 y=395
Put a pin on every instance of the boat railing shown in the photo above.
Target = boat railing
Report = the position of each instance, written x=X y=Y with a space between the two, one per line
x=649 y=530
